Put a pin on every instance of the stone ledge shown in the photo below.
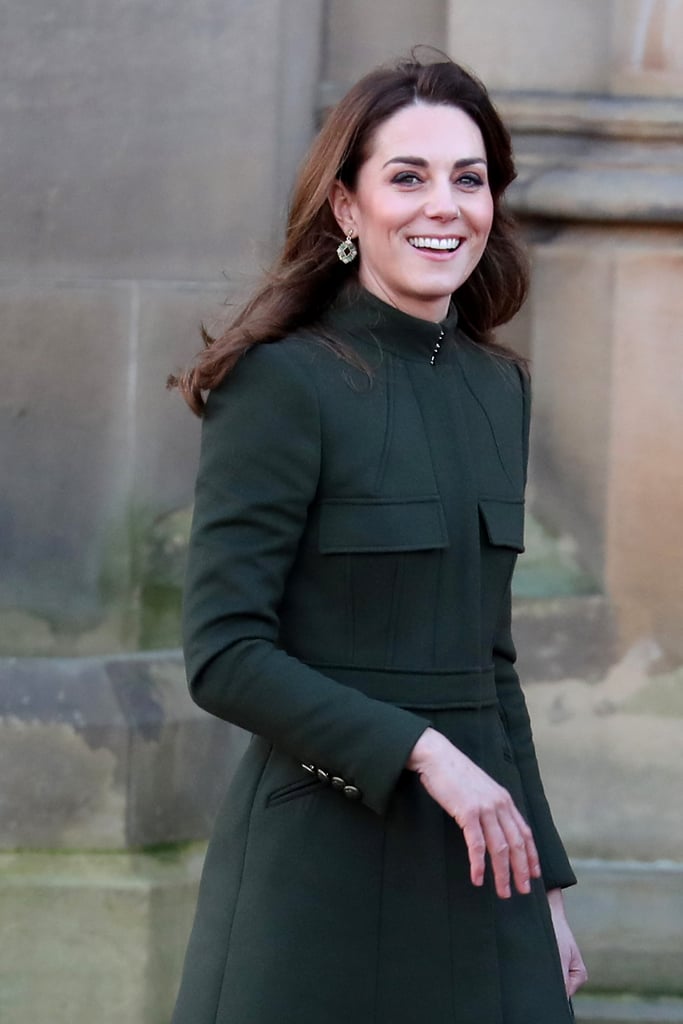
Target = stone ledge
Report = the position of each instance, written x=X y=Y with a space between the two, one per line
x=627 y=1010
x=627 y=919
x=614 y=195
x=627 y=117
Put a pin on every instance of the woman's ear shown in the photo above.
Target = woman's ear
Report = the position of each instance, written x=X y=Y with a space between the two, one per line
x=341 y=202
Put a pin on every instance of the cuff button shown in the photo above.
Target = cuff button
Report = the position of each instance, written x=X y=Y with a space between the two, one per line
x=352 y=792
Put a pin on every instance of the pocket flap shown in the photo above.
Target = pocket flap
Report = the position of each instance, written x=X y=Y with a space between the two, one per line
x=503 y=520
x=400 y=524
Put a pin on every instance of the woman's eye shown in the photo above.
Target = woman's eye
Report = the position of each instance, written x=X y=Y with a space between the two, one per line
x=406 y=178
x=470 y=180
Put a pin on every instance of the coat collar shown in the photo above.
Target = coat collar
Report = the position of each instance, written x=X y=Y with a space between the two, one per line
x=360 y=313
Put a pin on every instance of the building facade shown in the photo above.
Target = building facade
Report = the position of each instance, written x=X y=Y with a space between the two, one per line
x=147 y=154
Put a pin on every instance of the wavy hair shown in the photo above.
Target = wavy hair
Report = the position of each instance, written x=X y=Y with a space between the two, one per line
x=307 y=275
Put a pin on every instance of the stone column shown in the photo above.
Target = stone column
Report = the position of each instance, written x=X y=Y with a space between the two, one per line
x=594 y=96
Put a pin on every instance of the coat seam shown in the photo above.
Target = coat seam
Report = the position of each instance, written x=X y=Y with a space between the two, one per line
x=380 y=909
x=239 y=888
x=475 y=396
x=388 y=425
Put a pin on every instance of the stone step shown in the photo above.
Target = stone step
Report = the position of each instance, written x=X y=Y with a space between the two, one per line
x=627 y=1009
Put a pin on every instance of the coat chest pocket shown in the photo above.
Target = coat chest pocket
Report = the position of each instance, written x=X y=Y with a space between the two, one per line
x=373 y=526
x=381 y=560
x=503 y=522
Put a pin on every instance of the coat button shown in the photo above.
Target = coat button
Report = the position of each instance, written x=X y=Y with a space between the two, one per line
x=323 y=775
x=309 y=768
x=352 y=792
x=337 y=782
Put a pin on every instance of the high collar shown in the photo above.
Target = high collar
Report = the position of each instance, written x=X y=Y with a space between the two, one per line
x=360 y=313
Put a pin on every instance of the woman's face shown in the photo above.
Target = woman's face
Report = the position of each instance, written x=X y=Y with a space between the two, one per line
x=421 y=210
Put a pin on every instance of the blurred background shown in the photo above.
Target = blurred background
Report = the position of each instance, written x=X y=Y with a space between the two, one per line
x=147 y=150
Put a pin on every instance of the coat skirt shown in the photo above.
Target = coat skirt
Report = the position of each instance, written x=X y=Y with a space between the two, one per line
x=349 y=585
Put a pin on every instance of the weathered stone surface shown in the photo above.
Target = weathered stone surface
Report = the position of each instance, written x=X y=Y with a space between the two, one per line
x=571 y=347
x=564 y=637
x=362 y=35
x=647 y=47
x=611 y=754
x=645 y=508
x=627 y=920
x=166 y=433
x=180 y=759
x=129 y=149
x=107 y=754
x=105 y=934
x=64 y=445
x=93 y=936
x=535 y=44
x=627 y=1009
x=62 y=756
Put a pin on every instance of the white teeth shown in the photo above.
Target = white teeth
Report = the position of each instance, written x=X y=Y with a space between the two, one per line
x=442 y=244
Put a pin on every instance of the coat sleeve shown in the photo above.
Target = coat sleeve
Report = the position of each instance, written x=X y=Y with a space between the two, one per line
x=258 y=474
x=555 y=866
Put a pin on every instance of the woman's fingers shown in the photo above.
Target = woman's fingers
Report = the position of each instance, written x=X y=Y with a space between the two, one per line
x=482 y=808
x=502 y=832
x=476 y=847
x=529 y=861
x=500 y=852
x=577 y=975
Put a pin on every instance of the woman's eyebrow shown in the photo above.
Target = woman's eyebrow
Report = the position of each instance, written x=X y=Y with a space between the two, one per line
x=418 y=161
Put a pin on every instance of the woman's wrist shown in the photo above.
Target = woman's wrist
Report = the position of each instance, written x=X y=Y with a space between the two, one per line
x=556 y=900
x=424 y=750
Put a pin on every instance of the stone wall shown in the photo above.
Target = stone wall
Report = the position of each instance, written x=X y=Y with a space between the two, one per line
x=147 y=155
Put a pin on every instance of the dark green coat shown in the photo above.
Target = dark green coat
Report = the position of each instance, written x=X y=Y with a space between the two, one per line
x=349 y=582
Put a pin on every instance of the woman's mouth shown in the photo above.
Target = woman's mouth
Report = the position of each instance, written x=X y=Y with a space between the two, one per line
x=434 y=244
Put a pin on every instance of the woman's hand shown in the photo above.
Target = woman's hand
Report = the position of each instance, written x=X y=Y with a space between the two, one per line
x=484 y=811
x=573 y=967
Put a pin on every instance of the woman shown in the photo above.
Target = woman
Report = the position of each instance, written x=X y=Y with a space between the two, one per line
x=385 y=853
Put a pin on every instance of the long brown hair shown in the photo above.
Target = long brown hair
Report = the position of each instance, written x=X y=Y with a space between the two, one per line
x=307 y=275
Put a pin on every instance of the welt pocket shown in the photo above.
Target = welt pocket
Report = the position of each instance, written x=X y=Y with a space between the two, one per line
x=349 y=525
x=503 y=521
x=507 y=748
x=292 y=791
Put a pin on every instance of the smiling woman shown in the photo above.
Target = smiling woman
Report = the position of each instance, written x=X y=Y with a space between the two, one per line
x=385 y=853
x=422 y=220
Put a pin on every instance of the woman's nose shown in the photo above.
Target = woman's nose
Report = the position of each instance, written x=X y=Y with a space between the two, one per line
x=442 y=202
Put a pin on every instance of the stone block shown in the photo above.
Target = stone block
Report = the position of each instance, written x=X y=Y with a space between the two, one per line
x=611 y=754
x=107 y=753
x=535 y=45
x=627 y=920
x=647 y=48
x=627 y=1009
x=645 y=553
x=66 y=444
x=571 y=318
x=151 y=139
x=563 y=637
x=63 y=752
x=362 y=35
x=167 y=434
x=180 y=759
x=93 y=936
